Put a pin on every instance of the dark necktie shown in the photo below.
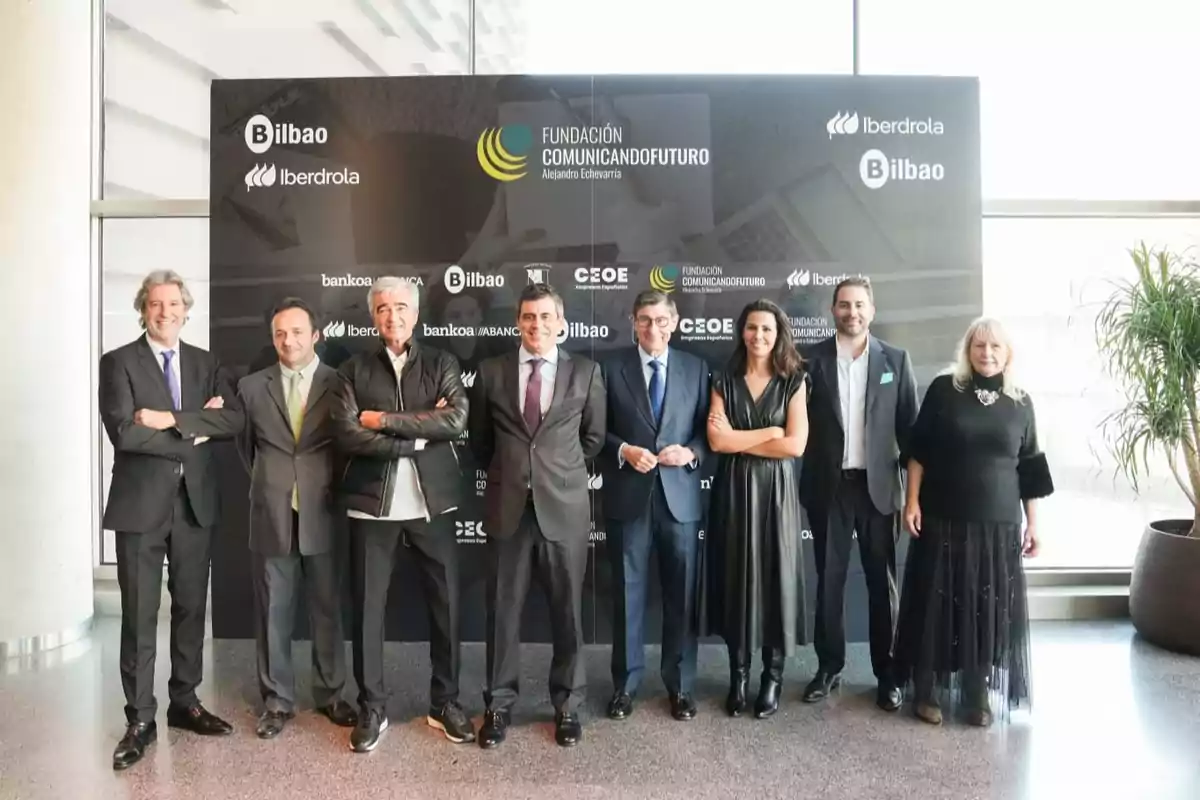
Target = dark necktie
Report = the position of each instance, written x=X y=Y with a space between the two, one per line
x=533 y=395
x=657 y=390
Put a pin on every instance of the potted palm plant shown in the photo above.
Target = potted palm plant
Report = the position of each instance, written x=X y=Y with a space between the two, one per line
x=1149 y=332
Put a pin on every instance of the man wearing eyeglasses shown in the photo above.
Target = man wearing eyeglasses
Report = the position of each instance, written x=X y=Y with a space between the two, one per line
x=655 y=444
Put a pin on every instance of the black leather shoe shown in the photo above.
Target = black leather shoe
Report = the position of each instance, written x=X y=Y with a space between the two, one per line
x=495 y=727
x=889 y=697
x=767 y=702
x=821 y=685
x=271 y=724
x=340 y=713
x=567 y=730
x=451 y=720
x=138 y=736
x=197 y=719
x=683 y=707
x=366 y=735
x=621 y=706
x=739 y=687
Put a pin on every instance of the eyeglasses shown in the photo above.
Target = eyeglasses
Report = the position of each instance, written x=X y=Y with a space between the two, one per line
x=659 y=322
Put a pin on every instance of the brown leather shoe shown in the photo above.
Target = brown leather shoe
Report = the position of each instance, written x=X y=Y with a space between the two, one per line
x=928 y=711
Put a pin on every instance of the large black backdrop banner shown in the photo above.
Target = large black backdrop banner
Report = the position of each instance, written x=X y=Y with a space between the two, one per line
x=719 y=190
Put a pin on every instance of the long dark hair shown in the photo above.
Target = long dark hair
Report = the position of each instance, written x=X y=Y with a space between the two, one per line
x=785 y=361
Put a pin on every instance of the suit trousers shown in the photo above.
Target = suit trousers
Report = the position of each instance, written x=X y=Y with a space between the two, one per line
x=852 y=510
x=187 y=547
x=559 y=567
x=373 y=546
x=629 y=545
x=277 y=585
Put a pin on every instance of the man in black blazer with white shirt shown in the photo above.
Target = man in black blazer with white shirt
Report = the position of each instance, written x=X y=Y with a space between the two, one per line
x=161 y=401
x=861 y=410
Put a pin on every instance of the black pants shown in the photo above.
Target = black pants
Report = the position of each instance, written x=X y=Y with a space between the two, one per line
x=373 y=546
x=187 y=547
x=559 y=567
x=629 y=546
x=853 y=511
x=277 y=584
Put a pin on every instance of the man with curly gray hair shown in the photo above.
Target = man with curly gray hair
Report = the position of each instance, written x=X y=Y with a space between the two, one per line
x=161 y=400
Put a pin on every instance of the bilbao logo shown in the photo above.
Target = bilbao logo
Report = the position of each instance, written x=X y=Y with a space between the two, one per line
x=504 y=152
x=662 y=278
x=876 y=170
x=843 y=123
x=456 y=279
x=261 y=134
x=260 y=176
x=581 y=330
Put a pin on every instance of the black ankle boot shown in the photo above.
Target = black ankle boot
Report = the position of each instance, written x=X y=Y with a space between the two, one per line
x=739 y=687
x=770 y=684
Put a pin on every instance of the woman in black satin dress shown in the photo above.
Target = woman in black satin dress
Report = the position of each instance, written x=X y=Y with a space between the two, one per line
x=754 y=575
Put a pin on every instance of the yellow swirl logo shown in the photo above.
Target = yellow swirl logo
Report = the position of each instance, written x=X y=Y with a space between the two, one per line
x=503 y=152
x=662 y=279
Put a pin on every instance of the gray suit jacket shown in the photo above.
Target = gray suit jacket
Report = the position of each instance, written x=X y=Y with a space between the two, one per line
x=891 y=411
x=277 y=462
x=550 y=461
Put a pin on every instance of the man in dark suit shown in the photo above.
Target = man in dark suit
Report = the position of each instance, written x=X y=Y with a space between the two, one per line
x=161 y=400
x=655 y=444
x=399 y=408
x=862 y=407
x=537 y=414
x=289 y=448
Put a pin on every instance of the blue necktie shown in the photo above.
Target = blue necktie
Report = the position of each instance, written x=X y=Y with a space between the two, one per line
x=172 y=381
x=657 y=390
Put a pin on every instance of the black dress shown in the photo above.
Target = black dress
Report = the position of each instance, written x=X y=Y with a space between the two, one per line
x=753 y=561
x=963 y=629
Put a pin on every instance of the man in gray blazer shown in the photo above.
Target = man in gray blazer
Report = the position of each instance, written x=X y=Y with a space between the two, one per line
x=538 y=413
x=288 y=446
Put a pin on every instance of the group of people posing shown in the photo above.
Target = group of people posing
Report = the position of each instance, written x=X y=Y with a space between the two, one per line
x=837 y=429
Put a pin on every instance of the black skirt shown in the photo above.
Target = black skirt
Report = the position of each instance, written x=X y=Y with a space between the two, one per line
x=963 y=613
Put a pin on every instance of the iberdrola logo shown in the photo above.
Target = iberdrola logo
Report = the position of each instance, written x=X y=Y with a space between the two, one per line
x=503 y=152
x=662 y=279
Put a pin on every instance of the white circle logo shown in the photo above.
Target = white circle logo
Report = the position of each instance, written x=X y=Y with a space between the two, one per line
x=260 y=134
x=873 y=169
x=455 y=279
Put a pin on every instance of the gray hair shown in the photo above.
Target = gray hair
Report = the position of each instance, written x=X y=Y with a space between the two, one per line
x=652 y=297
x=160 y=277
x=960 y=370
x=390 y=283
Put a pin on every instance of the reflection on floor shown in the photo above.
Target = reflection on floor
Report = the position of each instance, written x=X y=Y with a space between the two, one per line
x=1114 y=717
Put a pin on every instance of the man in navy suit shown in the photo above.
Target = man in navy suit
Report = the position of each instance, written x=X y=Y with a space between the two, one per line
x=655 y=444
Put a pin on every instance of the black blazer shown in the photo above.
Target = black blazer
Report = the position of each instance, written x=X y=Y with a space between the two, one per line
x=549 y=462
x=148 y=464
x=891 y=412
x=684 y=421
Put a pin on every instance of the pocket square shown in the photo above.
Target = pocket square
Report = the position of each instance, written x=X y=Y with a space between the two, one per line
x=886 y=377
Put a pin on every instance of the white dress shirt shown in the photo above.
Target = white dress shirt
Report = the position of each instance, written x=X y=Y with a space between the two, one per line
x=408 y=498
x=852 y=392
x=549 y=372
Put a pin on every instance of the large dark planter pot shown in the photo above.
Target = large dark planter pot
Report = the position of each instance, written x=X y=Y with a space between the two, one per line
x=1164 y=594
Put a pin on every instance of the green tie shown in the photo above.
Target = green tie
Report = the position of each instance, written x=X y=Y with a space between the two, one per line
x=296 y=414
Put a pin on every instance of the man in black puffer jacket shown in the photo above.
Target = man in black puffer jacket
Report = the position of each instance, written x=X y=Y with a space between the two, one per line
x=400 y=406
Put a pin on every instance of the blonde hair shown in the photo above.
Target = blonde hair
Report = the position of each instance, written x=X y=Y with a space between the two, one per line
x=961 y=369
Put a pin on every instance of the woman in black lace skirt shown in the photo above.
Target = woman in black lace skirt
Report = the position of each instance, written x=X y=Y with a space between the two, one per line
x=974 y=474
x=753 y=566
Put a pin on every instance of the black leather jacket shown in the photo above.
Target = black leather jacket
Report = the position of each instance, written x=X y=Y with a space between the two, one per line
x=367 y=382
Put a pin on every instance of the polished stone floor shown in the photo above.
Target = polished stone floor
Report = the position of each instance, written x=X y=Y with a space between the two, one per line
x=1114 y=717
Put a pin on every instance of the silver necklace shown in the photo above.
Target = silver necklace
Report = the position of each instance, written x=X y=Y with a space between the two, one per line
x=987 y=396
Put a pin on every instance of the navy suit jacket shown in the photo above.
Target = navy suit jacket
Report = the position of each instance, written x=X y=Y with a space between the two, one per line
x=684 y=422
